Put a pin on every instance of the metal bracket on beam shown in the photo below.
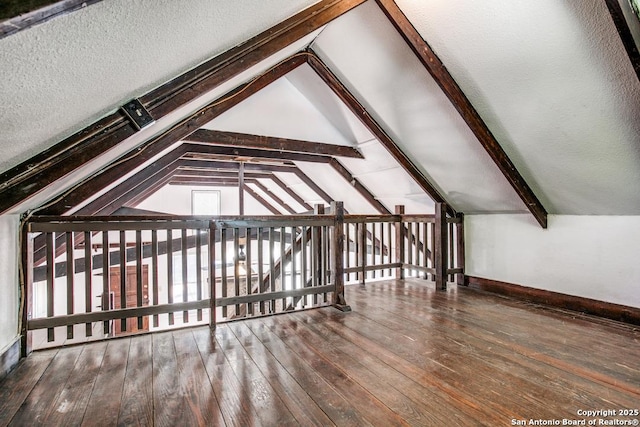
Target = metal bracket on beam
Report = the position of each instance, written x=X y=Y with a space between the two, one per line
x=137 y=114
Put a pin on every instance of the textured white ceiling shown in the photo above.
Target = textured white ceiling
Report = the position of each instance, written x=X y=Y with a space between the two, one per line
x=399 y=93
x=65 y=74
x=554 y=84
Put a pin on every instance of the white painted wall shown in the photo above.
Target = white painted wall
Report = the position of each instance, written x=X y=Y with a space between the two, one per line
x=9 y=288
x=589 y=256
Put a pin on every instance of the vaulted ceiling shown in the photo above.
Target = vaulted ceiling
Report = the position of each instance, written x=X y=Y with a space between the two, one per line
x=535 y=107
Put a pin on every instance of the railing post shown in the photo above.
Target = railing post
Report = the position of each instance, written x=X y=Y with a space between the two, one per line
x=362 y=254
x=400 y=232
x=337 y=259
x=441 y=235
x=212 y=275
x=460 y=249
x=316 y=249
x=26 y=287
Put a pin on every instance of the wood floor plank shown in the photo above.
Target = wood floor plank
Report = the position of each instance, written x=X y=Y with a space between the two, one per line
x=105 y=400
x=270 y=408
x=233 y=399
x=201 y=403
x=137 y=407
x=334 y=404
x=71 y=403
x=43 y=396
x=303 y=408
x=16 y=386
x=405 y=355
x=505 y=355
x=372 y=409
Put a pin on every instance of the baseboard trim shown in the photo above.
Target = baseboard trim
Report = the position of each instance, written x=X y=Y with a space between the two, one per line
x=621 y=313
x=9 y=357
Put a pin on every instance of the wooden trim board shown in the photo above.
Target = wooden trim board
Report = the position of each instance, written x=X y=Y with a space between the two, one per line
x=621 y=313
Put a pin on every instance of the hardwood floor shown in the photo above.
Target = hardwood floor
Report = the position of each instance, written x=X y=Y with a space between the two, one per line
x=406 y=355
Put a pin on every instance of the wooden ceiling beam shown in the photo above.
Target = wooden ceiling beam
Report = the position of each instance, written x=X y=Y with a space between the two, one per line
x=619 y=20
x=361 y=112
x=295 y=196
x=233 y=165
x=274 y=197
x=255 y=153
x=151 y=148
x=243 y=140
x=357 y=185
x=262 y=201
x=438 y=71
x=32 y=176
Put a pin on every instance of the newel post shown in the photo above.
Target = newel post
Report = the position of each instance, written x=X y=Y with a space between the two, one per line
x=400 y=232
x=440 y=250
x=337 y=258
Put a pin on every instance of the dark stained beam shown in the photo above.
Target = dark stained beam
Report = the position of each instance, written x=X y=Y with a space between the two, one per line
x=438 y=71
x=153 y=147
x=313 y=186
x=617 y=15
x=255 y=153
x=262 y=201
x=32 y=176
x=122 y=193
x=357 y=185
x=233 y=165
x=361 y=112
x=20 y=15
x=290 y=192
x=274 y=197
x=243 y=140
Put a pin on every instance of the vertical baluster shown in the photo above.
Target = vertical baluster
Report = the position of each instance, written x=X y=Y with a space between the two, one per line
x=247 y=266
x=212 y=274
x=400 y=242
x=303 y=256
x=425 y=248
x=272 y=272
x=223 y=265
x=418 y=246
x=294 y=241
x=236 y=266
x=140 y=290
x=362 y=242
x=441 y=246
x=88 y=280
x=69 y=240
x=170 y=272
x=373 y=248
x=410 y=243
x=199 y=271
x=325 y=261
x=185 y=274
x=433 y=249
x=123 y=277
x=260 y=230
x=382 y=248
x=49 y=239
x=283 y=264
x=106 y=290
x=154 y=272
x=391 y=248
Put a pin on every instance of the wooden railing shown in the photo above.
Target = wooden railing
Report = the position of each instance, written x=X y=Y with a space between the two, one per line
x=94 y=277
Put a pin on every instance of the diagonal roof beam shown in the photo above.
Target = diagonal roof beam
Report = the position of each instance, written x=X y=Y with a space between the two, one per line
x=622 y=25
x=243 y=140
x=148 y=150
x=357 y=185
x=438 y=71
x=30 y=177
x=361 y=112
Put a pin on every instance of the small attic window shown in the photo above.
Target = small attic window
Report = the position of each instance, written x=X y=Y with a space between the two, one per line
x=205 y=202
